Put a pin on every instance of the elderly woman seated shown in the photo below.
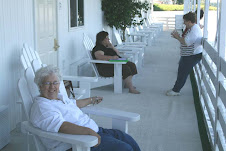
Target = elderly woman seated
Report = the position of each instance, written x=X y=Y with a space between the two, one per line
x=104 y=50
x=53 y=112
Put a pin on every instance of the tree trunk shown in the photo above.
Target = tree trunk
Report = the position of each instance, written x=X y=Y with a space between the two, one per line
x=123 y=34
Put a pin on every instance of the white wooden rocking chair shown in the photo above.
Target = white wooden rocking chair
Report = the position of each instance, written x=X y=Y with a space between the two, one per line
x=28 y=90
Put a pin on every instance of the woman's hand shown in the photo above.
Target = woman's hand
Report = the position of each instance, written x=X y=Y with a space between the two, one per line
x=109 y=45
x=93 y=133
x=96 y=100
x=175 y=34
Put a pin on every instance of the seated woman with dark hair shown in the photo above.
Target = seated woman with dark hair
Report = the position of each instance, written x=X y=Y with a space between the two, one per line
x=104 y=50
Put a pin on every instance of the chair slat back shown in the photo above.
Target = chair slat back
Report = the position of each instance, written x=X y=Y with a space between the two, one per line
x=145 y=23
x=36 y=65
x=29 y=75
x=88 y=44
x=37 y=56
x=128 y=33
x=117 y=36
x=26 y=58
x=23 y=61
x=32 y=52
x=141 y=27
x=28 y=55
x=27 y=51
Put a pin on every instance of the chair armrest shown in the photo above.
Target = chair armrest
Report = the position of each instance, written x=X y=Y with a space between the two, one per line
x=152 y=26
x=146 y=31
x=135 y=43
x=130 y=47
x=83 y=140
x=137 y=34
x=111 y=113
x=127 y=50
x=105 y=62
x=80 y=78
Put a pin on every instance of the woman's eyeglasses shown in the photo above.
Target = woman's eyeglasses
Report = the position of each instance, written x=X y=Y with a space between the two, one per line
x=49 y=83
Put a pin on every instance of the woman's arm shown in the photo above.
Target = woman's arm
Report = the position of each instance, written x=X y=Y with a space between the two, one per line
x=84 y=102
x=70 y=128
x=100 y=56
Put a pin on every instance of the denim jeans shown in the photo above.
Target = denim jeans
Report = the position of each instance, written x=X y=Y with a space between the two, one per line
x=115 y=140
x=186 y=65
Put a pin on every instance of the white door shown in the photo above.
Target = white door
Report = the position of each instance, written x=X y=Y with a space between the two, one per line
x=46 y=35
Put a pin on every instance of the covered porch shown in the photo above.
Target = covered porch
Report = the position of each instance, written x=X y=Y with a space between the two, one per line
x=167 y=123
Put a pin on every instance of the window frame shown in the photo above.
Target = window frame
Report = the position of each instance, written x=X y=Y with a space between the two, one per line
x=69 y=16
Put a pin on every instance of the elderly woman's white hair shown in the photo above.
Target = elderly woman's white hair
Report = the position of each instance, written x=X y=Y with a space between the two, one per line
x=46 y=71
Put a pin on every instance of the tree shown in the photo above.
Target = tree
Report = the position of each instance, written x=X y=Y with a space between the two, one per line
x=121 y=13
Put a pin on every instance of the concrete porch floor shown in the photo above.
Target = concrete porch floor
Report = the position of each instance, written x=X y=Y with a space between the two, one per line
x=167 y=123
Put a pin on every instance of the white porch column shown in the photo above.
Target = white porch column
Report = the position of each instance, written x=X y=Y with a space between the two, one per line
x=194 y=5
x=222 y=30
x=198 y=12
x=205 y=33
x=186 y=6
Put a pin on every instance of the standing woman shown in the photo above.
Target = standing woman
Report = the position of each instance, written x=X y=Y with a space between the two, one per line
x=104 y=50
x=191 y=51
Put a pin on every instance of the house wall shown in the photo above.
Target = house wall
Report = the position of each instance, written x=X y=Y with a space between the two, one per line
x=71 y=41
x=17 y=27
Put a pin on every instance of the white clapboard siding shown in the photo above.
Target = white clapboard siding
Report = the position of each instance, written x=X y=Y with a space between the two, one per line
x=70 y=40
x=16 y=26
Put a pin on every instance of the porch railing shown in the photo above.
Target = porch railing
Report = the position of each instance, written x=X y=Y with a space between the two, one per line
x=210 y=76
x=169 y=22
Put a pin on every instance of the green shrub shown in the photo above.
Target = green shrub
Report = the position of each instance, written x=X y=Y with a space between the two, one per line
x=165 y=7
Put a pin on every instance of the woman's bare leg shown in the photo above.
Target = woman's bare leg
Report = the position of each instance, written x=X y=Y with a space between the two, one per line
x=129 y=84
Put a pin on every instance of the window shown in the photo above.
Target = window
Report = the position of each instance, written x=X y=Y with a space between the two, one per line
x=76 y=13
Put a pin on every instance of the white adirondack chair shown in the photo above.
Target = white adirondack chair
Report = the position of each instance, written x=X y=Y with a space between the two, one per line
x=150 y=33
x=125 y=53
x=28 y=90
x=150 y=22
x=150 y=29
x=102 y=81
x=156 y=29
x=134 y=46
x=28 y=55
x=137 y=36
x=153 y=25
